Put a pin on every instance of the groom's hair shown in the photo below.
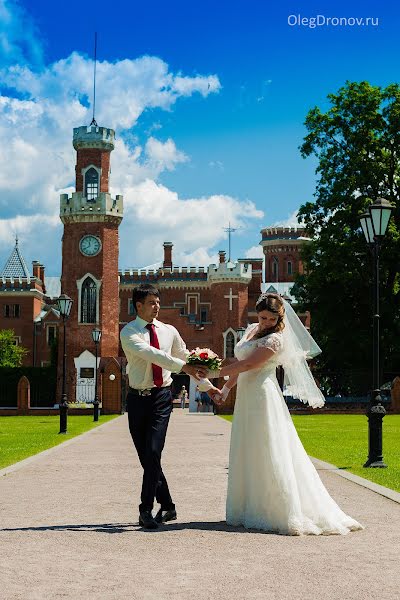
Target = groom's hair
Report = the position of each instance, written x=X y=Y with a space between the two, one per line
x=141 y=292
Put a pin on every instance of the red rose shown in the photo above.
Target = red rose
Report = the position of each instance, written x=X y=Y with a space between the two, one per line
x=203 y=355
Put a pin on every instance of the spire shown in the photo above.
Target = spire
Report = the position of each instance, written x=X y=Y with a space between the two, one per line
x=94 y=122
x=16 y=265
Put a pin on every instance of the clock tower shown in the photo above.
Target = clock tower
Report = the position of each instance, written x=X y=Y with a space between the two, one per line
x=91 y=218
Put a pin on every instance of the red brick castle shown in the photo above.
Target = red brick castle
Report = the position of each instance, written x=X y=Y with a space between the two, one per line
x=210 y=306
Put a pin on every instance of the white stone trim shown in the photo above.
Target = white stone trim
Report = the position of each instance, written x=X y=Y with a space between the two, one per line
x=48 y=325
x=85 y=170
x=88 y=360
x=225 y=334
x=98 y=283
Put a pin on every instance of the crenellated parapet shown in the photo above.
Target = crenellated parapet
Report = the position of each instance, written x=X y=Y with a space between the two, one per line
x=283 y=239
x=163 y=275
x=94 y=137
x=240 y=272
x=78 y=208
x=21 y=284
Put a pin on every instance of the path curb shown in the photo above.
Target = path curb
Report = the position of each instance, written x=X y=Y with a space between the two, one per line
x=370 y=485
x=30 y=459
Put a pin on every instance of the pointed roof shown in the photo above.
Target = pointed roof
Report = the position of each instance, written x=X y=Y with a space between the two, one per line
x=16 y=265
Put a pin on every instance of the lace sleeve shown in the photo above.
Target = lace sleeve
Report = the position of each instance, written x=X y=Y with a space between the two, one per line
x=272 y=342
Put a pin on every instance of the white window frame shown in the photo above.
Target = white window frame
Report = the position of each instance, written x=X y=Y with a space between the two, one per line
x=225 y=335
x=79 y=284
x=48 y=325
x=84 y=171
x=130 y=304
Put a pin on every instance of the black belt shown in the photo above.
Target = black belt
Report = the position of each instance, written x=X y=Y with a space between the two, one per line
x=148 y=391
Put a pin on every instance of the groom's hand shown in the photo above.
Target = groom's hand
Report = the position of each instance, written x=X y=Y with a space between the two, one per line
x=216 y=395
x=196 y=371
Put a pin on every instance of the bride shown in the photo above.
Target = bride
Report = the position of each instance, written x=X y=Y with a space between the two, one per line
x=273 y=485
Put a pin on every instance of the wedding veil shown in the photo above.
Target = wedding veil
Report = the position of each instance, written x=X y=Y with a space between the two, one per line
x=298 y=346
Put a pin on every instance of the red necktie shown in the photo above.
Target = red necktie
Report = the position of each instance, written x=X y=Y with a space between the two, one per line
x=157 y=371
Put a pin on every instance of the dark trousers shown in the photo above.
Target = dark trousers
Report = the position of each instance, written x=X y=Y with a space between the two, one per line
x=148 y=423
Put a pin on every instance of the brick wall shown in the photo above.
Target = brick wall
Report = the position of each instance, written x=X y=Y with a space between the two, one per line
x=30 y=307
x=92 y=156
x=103 y=267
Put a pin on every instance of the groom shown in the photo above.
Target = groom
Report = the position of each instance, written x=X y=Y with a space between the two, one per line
x=153 y=350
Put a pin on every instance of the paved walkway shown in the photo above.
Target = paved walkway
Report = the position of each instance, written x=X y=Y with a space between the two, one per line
x=69 y=530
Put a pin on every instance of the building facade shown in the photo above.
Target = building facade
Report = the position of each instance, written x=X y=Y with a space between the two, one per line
x=211 y=307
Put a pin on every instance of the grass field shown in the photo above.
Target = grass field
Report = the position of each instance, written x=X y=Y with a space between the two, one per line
x=21 y=437
x=342 y=440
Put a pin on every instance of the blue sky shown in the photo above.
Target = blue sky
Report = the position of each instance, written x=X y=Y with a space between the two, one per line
x=232 y=147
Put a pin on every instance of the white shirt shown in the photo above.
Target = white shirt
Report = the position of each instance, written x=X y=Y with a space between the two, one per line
x=171 y=357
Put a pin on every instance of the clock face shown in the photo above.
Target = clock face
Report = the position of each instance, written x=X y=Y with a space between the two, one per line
x=90 y=245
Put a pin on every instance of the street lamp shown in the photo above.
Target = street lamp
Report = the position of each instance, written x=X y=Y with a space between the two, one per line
x=374 y=223
x=96 y=335
x=64 y=304
x=240 y=333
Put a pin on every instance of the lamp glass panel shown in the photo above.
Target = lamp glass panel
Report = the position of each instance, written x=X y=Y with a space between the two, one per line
x=64 y=305
x=366 y=224
x=96 y=335
x=380 y=219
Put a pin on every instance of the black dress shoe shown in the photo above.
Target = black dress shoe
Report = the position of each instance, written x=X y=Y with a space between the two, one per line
x=146 y=520
x=165 y=515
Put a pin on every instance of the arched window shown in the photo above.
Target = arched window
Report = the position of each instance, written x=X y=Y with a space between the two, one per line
x=91 y=184
x=289 y=267
x=275 y=268
x=229 y=345
x=88 y=301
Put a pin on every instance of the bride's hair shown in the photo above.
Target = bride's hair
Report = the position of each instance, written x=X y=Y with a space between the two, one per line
x=274 y=304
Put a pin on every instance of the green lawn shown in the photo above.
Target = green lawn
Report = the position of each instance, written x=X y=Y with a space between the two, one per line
x=21 y=437
x=342 y=440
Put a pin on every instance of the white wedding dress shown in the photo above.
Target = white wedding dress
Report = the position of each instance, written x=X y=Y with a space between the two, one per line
x=273 y=485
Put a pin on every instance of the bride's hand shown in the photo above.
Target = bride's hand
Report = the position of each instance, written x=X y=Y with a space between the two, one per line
x=216 y=395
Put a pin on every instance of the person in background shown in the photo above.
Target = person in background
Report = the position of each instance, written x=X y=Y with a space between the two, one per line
x=205 y=402
x=197 y=398
x=183 y=396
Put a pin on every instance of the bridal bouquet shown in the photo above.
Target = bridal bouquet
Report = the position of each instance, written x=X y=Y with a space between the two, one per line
x=206 y=358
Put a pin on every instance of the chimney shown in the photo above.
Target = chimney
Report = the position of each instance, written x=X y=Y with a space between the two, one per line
x=41 y=270
x=222 y=254
x=36 y=269
x=168 y=255
x=38 y=272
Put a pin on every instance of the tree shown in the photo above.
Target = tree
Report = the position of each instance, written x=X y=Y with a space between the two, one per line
x=10 y=354
x=357 y=144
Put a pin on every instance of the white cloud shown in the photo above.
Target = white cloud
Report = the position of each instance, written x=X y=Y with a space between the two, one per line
x=38 y=159
x=16 y=25
x=164 y=155
x=291 y=221
x=254 y=252
x=157 y=214
x=216 y=164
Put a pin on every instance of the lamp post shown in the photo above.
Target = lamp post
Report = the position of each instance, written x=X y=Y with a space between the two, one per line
x=64 y=304
x=96 y=335
x=374 y=223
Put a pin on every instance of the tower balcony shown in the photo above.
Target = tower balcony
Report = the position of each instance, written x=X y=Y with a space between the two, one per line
x=77 y=208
